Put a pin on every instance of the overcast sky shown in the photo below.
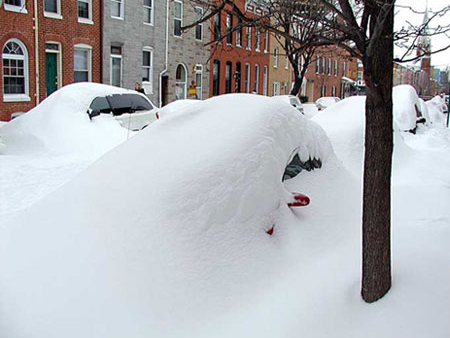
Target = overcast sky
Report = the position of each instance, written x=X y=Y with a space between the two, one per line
x=442 y=59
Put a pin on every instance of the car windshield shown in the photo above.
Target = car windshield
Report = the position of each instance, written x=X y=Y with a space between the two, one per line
x=128 y=103
x=296 y=166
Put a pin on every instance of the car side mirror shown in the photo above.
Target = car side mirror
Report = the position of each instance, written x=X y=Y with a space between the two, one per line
x=93 y=113
x=421 y=120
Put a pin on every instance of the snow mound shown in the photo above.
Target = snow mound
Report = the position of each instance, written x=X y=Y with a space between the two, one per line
x=344 y=125
x=60 y=124
x=164 y=232
x=436 y=107
x=176 y=106
x=405 y=106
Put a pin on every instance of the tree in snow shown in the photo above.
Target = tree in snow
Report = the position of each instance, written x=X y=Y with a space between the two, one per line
x=363 y=29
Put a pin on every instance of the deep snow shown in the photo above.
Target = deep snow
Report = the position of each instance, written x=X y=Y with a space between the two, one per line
x=206 y=273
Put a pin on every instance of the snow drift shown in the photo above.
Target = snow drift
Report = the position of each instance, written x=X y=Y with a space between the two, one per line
x=164 y=230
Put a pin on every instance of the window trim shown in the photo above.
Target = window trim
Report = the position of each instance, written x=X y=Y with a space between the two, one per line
x=248 y=38
x=257 y=40
x=82 y=46
x=22 y=9
x=148 y=85
x=22 y=97
x=256 y=79
x=239 y=32
x=199 y=89
x=111 y=57
x=199 y=24
x=265 y=78
x=180 y=19
x=275 y=57
x=266 y=42
x=89 y=19
x=53 y=15
x=247 y=78
x=121 y=10
x=152 y=16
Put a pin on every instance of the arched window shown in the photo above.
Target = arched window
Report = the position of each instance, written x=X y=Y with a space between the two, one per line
x=180 y=82
x=15 y=71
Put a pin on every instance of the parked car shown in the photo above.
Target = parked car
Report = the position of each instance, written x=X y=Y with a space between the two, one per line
x=326 y=101
x=133 y=110
x=293 y=101
x=147 y=225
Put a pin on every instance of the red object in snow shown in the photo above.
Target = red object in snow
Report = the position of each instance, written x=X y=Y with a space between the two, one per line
x=300 y=200
x=270 y=231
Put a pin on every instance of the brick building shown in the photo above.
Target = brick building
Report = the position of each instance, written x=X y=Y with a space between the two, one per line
x=65 y=47
x=280 y=70
x=333 y=73
x=240 y=62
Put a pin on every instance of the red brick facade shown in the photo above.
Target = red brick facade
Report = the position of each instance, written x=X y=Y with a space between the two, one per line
x=63 y=30
x=228 y=55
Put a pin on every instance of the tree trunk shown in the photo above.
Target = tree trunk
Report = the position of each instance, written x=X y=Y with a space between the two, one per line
x=376 y=260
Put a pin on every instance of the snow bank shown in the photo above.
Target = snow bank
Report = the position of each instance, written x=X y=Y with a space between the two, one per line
x=405 y=103
x=310 y=109
x=436 y=107
x=344 y=125
x=60 y=124
x=164 y=233
x=176 y=106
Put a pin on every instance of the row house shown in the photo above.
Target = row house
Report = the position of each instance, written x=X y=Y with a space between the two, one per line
x=332 y=74
x=45 y=47
x=187 y=55
x=280 y=71
x=239 y=62
x=134 y=47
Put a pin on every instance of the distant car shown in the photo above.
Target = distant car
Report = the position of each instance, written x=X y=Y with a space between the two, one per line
x=134 y=111
x=326 y=101
x=293 y=101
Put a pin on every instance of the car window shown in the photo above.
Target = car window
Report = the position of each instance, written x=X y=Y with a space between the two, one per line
x=128 y=103
x=100 y=104
x=296 y=166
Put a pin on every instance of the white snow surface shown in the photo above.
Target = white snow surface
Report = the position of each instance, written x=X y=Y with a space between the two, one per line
x=436 y=108
x=405 y=99
x=136 y=247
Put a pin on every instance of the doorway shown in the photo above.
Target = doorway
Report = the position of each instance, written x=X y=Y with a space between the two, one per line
x=52 y=64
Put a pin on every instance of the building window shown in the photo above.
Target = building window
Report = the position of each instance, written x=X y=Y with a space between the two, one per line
x=329 y=66
x=82 y=63
x=336 y=67
x=276 y=88
x=216 y=77
x=180 y=82
x=229 y=23
x=237 y=78
x=198 y=80
x=199 y=26
x=323 y=65
x=266 y=41
x=265 y=71
x=256 y=80
x=228 y=77
x=257 y=40
x=116 y=66
x=275 y=57
x=15 y=6
x=333 y=91
x=247 y=78
x=217 y=26
x=117 y=9
x=286 y=62
x=318 y=65
x=52 y=7
x=239 y=33
x=147 y=69
x=15 y=71
x=248 y=38
x=344 y=69
x=177 y=18
x=323 y=90
x=148 y=11
x=84 y=11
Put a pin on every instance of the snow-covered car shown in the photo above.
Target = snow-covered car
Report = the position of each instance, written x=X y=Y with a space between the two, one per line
x=407 y=108
x=197 y=192
x=326 y=101
x=293 y=101
x=133 y=110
